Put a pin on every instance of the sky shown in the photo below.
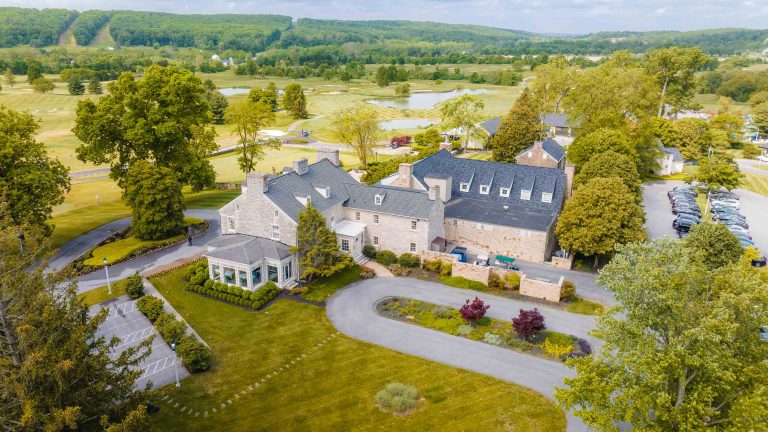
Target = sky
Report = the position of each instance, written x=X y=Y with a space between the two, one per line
x=542 y=16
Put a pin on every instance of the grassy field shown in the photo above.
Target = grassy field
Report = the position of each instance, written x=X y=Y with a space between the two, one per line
x=321 y=289
x=101 y=294
x=756 y=183
x=332 y=387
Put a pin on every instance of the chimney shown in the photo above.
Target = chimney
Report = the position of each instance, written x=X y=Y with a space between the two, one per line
x=405 y=175
x=301 y=166
x=257 y=182
x=537 y=145
x=570 y=170
x=434 y=192
x=328 y=153
x=446 y=146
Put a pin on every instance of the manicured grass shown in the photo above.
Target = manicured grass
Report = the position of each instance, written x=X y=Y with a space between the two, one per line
x=464 y=283
x=332 y=388
x=321 y=289
x=585 y=307
x=101 y=294
x=756 y=183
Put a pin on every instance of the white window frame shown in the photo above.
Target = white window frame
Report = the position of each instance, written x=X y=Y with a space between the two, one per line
x=413 y=247
x=357 y=216
x=464 y=187
x=275 y=232
x=546 y=197
x=375 y=240
x=344 y=245
x=230 y=223
x=484 y=189
x=414 y=225
x=525 y=194
x=375 y=219
x=277 y=214
x=377 y=199
x=504 y=192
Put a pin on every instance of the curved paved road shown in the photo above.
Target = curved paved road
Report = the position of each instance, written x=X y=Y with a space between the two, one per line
x=73 y=249
x=352 y=312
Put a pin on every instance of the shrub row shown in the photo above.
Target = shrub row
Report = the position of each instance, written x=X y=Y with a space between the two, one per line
x=388 y=258
x=198 y=282
x=464 y=283
x=195 y=356
x=443 y=268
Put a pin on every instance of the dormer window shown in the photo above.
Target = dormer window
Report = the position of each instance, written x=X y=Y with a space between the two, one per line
x=546 y=197
x=504 y=192
x=464 y=187
x=378 y=199
x=484 y=189
x=525 y=194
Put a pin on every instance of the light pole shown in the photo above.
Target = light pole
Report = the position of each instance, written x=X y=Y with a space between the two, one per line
x=175 y=365
x=106 y=270
x=20 y=236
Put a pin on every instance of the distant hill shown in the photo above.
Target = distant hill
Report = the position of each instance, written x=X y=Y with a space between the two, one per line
x=257 y=33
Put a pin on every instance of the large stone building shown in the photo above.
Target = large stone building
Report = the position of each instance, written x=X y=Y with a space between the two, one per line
x=547 y=154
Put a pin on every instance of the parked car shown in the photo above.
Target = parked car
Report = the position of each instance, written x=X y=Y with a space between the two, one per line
x=460 y=253
x=481 y=260
x=762 y=158
x=505 y=262
x=759 y=262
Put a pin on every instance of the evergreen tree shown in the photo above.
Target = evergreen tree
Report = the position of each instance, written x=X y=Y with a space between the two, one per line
x=317 y=247
x=610 y=164
x=518 y=130
x=94 y=86
x=10 y=78
x=295 y=102
x=56 y=371
x=154 y=195
x=75 y=87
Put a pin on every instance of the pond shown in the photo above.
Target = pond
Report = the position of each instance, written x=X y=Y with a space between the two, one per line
x=423 y=100
x=234 y=91
x=406 y=123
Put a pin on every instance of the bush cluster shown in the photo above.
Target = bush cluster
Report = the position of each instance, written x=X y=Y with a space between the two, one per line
x=396 y=397
x=195 y=355
x=492 y=339
x=170 y=328
x=464 y=283
x=369 y=252
x=134 y=286
x=495 y=282
x=512 y=280
x=367 y=273
x=198 y=282
x=150 y=306
x=443 y=268
x=568 y=291
x=474 y=310
x=386 y=257
x=399 y=270
x=409 y=260
x=557 y=344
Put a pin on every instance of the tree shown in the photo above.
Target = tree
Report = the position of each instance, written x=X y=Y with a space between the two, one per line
x=56 y=371
x=682 y=347
x=585 y=146
x=154 y=195
x=602 y=214
x=10 y=78
x=134 y=286
x=295 y=102
x=75 y=87
x=357 y=127
x=674 y=70
x=692 y=136
x=403 y=90
x=518 y=129
x=429 y=138
x=316 y=246
x=94 y=86
x=527 y=323
x=34 y=70
x=163 y=118
x=463 y=113
x=248 y=118
x=43 y=85
x=384 y=75
x=267 y=95
x=475 y=310
x=714 y=245
x=717 y=171
x=31 y=182
x=553 y=81
x=610 y=164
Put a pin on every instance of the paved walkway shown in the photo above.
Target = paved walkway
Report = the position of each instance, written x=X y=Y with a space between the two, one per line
x=352 y=312
x=379 y=269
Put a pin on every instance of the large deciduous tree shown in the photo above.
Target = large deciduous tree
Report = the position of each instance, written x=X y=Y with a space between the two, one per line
x=610 y=164
x=553 y=81
x=718 y=170
x=357 y=127
x=267 y=95
x=601 y=215
x=585 y=146
x=316 y=246
x=682 y=348
x=30 y=182
x=714 y=245
x=463 y=113
x=295 y=102
x=518 y=129
x=163 y=118
x=674 y=70
x=154 y=195
x=248 y=118
x=57 y=372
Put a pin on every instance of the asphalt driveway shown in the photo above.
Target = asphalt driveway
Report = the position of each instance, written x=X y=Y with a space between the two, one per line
x=352 y=312
x=132 y=327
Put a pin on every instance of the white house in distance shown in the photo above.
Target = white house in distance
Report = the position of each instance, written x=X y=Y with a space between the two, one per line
x=671 y=161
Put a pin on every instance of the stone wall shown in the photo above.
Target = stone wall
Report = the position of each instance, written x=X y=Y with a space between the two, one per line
x=536 y=156
x=563 y=263
x=512 y=242
x=393 y=232
x=542 y=289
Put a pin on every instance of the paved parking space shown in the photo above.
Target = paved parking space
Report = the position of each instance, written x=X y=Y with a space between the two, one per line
x=132 y=327
x=658 y=210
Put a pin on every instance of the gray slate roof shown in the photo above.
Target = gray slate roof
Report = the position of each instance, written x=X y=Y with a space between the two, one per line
x=557 y=120
x=552 y=147
x=397 y=201
x=494 y=213
x=497 y=175
x=491 y=126
x=676 y=156
x=246 y=249
x=284 y=188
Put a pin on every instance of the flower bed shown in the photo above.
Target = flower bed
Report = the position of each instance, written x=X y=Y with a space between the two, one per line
x=198 y=282
x=547 y=344
x=121 y=247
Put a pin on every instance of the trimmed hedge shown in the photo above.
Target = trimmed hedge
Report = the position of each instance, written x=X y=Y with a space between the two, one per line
x=568 y=291
x=198 y=282
x=150 y=306
x=409 y=260
x=369 y=252
x=440 y=267
x=464 y=283
x=195 y=356
x=386 y=257
x=134 y=286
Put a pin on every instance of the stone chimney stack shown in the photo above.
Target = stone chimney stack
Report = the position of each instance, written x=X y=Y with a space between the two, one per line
x=537 y=145
x=405 y=174
x=434 y=192
x=445 y=145
x=257 y=182
x=328 y=153
x=570 y=170
x=301 y=166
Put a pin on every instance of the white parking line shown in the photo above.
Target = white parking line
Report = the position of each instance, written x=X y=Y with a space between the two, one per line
x=157 y=366
x=136 y=336
x=119 y=325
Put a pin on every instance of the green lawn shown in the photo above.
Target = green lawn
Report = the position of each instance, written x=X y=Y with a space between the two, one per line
x=585 y=307
x=321 y=289
x=756 y=183
x=101 y=294
x=332 y=387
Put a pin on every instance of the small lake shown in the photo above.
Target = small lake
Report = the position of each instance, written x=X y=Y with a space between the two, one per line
x=425 y=100
x=414 y=123
x=234 y=91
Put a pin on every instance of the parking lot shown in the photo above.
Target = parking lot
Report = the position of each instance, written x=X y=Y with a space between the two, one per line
x=132 y=327
x=659 y=217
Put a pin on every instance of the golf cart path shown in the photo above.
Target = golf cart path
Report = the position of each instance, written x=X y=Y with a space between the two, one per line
x=352 y=312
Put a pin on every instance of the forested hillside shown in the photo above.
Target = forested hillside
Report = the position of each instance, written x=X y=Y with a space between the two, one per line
x=336 y=41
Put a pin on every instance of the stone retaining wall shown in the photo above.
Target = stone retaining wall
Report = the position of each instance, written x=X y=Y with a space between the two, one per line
x=563 y=263
x=541 y=289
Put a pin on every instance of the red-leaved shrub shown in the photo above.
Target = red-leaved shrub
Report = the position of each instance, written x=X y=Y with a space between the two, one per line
x=475 y=310
x=528 y=322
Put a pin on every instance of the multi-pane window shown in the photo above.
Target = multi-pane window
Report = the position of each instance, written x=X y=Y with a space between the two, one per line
x=375 y=219
x=345 y=245
x=276 y=232
x=413 y=225
x=504 y=192
x=375 y=241
x=287 y=271
x=413 y=247
x=231 y=223
x=357 y=216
